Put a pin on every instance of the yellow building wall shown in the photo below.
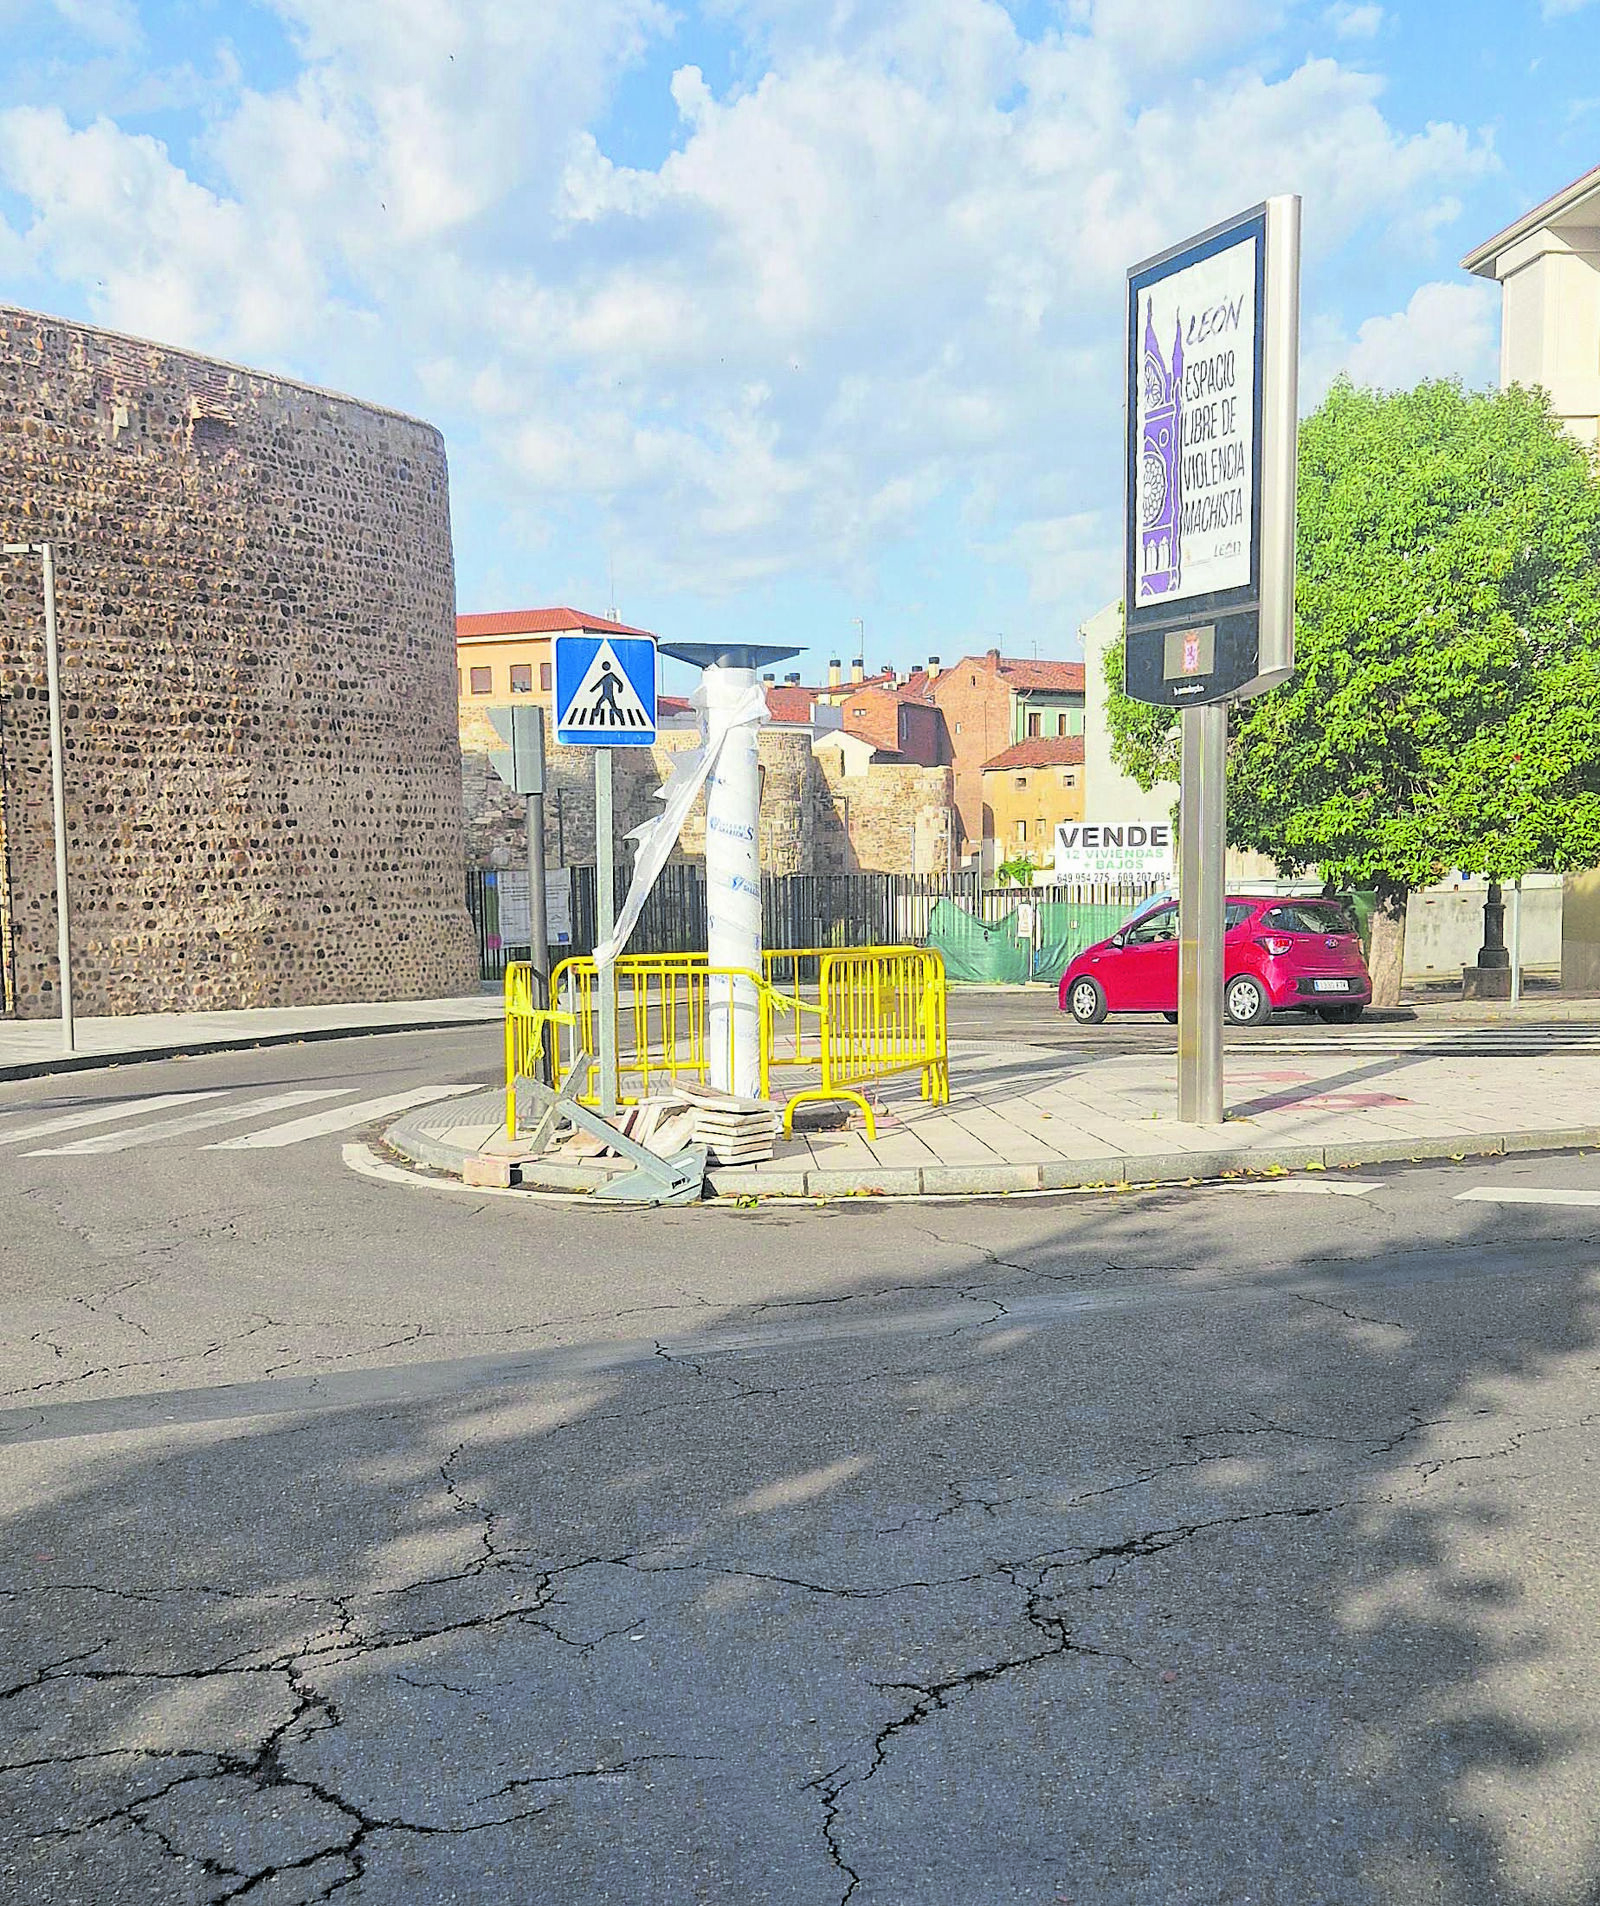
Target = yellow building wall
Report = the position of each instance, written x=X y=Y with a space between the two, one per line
x=1043 y=799
x=497 y=656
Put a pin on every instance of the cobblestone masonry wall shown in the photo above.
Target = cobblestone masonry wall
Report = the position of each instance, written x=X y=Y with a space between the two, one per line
x=257 y=625
x=814 y=819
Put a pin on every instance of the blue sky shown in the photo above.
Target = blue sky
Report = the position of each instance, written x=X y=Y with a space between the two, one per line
x=757 y=317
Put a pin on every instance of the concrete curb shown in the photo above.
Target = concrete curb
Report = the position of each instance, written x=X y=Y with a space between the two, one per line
x=198 y=1048
x=1115 y=1169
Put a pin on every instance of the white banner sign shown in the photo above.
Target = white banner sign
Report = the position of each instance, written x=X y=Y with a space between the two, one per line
x=1113 y=850
x=514 y=922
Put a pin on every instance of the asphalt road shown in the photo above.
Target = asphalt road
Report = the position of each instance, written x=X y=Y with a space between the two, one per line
x=391 y=1544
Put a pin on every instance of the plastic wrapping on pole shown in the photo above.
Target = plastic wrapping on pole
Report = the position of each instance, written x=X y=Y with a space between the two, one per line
x=733 y=883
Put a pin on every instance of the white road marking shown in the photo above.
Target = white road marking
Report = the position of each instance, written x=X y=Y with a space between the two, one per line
x=103 y=1114
x=364 y=1161
x=340 y=1119
x=194 y=1122
x=1319 y=1187
x=1496 y=1194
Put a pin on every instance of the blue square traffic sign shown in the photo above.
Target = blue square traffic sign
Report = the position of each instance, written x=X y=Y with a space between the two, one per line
x=605 y=692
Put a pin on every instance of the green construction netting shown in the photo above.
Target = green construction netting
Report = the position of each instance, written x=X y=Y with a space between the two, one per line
x=990 y=951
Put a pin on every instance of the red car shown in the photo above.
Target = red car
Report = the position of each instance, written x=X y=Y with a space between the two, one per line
x=1277 y=953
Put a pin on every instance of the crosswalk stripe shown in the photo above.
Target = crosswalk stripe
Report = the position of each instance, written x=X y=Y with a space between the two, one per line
x=193 y=1122
x=340 y=1119
x=104 y=1114
x=1496 y=1194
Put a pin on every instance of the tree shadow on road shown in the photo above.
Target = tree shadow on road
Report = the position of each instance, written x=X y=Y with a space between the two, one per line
x=1135 y=1551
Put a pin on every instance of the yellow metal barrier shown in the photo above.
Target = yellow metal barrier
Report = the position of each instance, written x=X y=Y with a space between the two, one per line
x=526 y=1024
x=879 y=1010
x=666 y=1028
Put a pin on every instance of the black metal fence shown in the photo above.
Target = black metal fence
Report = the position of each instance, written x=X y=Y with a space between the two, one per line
x=860 y=909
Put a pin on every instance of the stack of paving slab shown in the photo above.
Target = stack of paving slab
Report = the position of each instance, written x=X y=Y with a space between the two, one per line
x=734 y=1130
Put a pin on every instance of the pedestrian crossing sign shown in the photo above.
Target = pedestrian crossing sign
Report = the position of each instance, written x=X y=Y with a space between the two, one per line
x=605 y=692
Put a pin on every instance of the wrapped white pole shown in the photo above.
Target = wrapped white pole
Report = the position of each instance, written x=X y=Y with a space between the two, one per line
x=733 y=879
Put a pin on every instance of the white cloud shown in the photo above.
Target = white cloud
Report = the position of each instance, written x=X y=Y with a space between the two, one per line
x=1446 y=330
x=1175 y=32
x=882 y=269
x=156 y=254
x=1559 y=9
x=111 y=23
x=1352 y=21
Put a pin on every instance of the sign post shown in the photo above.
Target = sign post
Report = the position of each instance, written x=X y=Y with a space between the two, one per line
x=520 y=764
x=605 y=698
x=1213 y=346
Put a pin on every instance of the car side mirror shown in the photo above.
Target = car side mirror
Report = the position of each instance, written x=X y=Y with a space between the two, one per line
x=1118 y=939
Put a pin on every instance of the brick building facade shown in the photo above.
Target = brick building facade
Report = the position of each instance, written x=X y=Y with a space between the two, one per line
x=256 y=597
x=987 y=702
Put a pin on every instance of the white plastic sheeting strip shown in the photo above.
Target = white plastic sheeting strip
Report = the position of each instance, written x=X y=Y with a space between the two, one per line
x=655 y=839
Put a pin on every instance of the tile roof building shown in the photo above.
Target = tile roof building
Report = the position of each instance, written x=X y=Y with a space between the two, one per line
x=1028 y=790
x=507 y=653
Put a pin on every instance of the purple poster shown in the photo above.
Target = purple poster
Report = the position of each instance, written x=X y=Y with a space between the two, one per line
x=1194 y=429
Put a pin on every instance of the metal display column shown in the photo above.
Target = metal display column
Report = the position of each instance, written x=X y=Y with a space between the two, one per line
x=1201 y=901
x=733 y=888
x=733 y=856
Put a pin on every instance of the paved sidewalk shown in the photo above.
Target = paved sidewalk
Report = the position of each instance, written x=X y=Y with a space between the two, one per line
x=32 y=1047
x=1037 y=1118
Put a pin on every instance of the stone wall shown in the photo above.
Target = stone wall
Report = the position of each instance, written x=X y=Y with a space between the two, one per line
x=256 y=599
x=814 y=818
x=896 y=818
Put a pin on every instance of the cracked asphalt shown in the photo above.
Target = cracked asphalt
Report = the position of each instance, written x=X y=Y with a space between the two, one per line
x=368 y=1543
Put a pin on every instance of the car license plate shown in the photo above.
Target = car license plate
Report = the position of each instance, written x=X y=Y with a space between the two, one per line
x=1331 y=985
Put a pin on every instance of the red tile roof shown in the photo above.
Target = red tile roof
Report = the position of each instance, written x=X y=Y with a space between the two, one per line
x=1065 y=676
x=674 y=705
x=1041 y=751
x=787 y=702
x=539 y=622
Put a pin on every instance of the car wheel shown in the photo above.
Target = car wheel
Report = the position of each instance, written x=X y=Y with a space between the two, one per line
x=1246 y=1001
x=1340 y=1015
x=1086 y=1002
x=1170 y=1018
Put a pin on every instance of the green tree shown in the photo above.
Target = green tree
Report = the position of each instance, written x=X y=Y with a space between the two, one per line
x=1445 y=706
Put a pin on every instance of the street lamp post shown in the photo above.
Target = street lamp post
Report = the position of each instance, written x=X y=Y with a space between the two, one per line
x=58 y=794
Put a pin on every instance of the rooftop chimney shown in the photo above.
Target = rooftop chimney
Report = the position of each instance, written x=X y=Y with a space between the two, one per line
x=858 y=669
x=933 y=667
x=835 y=672
x=993 y=658
x=793 y=680
x=769 y=678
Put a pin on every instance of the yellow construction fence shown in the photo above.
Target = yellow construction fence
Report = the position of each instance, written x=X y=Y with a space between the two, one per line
x=877 y=1010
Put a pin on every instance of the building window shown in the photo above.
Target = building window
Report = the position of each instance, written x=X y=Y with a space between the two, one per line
x=544 y=676
x=1061 y=723
x=1069 y=780
x=958 y=727
x=1034 y=726
x=482 y=681
x=1038 y=827
x=1019 y=780
x=522 y=678
x=1022 y=830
